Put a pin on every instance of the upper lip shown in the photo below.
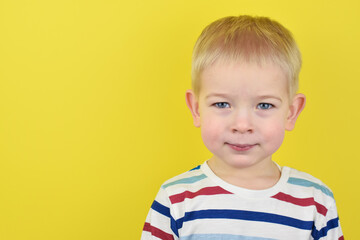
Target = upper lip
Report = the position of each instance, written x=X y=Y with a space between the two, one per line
x=242 y=144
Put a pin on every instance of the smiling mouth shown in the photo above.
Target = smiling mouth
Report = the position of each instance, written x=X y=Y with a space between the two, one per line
x=241 y=147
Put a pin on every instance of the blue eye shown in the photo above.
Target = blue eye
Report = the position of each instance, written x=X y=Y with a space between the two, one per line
x=265 y=106
x=222 y=105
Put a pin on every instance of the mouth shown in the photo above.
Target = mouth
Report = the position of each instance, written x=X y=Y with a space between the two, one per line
x=241 y=147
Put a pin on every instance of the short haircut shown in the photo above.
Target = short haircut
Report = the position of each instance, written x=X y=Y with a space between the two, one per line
x=250 y=39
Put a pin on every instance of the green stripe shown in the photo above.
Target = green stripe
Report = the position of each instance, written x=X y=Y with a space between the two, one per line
x=306 y=183
x=185 y=180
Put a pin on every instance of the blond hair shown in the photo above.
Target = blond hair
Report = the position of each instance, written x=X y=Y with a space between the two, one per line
x=250 y=39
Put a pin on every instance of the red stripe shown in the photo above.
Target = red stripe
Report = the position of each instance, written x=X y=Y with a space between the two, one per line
x=341 y=238
x=204 y=191
x=157 y=232
x=301 y=202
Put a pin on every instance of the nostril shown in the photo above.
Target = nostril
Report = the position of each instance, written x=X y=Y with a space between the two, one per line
x=242 y=128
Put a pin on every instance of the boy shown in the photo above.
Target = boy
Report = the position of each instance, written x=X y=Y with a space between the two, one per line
x=245 y=77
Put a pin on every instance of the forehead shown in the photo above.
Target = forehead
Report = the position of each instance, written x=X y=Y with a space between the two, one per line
x=241 y=77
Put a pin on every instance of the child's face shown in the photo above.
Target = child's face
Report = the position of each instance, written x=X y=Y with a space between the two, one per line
x=243 y=111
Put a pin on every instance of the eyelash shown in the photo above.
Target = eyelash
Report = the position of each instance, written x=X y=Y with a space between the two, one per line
x=269 y=106
x=259 y=106
x=220 y=105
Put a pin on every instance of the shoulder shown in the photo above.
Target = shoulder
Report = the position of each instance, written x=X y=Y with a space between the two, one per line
x=306 y=180
x=187 y=178
x=191 y=180
x=305 y=185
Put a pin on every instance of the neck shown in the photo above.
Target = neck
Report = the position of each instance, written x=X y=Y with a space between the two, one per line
x=260 y=176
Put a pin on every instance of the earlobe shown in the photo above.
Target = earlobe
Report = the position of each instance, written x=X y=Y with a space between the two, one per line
x=193 y=105
x=298 y=104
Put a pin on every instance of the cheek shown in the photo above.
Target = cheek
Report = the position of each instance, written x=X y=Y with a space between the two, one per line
x=211 y=131
x=274 y=134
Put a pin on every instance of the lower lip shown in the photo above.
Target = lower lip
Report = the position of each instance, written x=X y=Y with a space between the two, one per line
x=241 y=148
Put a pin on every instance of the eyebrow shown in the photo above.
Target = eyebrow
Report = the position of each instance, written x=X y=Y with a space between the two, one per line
x=222 y=95
x=270 y=96
x=216 y=95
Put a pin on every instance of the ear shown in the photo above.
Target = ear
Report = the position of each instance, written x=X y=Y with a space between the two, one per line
x=297 y=105
x=193 y=105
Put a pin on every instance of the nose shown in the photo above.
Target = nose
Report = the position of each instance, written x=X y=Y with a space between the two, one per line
x=242 y=122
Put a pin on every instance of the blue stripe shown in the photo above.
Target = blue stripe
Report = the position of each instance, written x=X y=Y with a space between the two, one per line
x=244 y=215
x=221 y=236
x=158 y=207
x=185 y=180
x=161 y=209
x=333 y=223
x=195 y=168
x=306 y=183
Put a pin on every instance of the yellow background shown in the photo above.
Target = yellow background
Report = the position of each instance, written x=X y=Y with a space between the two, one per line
x=93 y=117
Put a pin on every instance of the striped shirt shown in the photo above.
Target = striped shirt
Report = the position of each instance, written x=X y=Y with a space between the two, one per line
x=198 y=205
